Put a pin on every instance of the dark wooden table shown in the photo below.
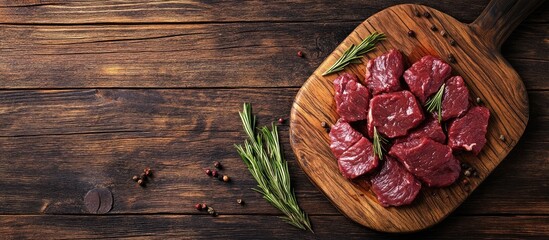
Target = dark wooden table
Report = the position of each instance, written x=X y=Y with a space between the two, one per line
x=94 y=91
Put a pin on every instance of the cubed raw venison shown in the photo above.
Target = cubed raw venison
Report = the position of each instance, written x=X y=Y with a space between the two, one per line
x=342 y=137
x=394 y=185
x=430 y=129
x=393 y=114
x=358 y=159
x=351 y=98
x=430 y=161
x=455 y=100
x=469 y=132
x=383 y=72
x=426 y=76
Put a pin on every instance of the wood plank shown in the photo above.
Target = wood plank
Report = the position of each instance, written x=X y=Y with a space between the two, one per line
x=199 y=55
x=51 y=175
x=43 y=112
x=257 y=227
x=111 y=11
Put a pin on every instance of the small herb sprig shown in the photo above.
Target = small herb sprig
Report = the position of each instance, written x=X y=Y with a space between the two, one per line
x=435 y=103
x=379 y=141
x=354 y=53
x=264 y=158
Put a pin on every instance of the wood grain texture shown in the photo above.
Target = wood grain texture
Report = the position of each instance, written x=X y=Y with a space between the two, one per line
x=485 y=71
x=182 y=56
x=201 y=226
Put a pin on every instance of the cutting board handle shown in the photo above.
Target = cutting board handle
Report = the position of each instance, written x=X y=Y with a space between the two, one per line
x=500 y=18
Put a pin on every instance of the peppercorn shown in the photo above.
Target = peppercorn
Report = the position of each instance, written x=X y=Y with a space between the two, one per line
x=465 y=181
x=208 y=172
x=211 y=211
x=148 y=172
x=217 y=165
x=433 y=27
x=281 y=120
x=327 y=129
x=411 y=33
x=451 y=58
x=141 y=182
x=467 y=173
x=135 y=178
x=464 y=165
x=220 y=177
x=198 y=206
x=452 y=42
x=502 y=138
x=214 y=173
x=475 y=174
x=299 y=53
x=226 y=178
x=240 y=201
x=427 y=14
x=443 y=33
x=203 y=206
x=416 y=13
x=143 y=176
x=324 y=124
x=479 y=100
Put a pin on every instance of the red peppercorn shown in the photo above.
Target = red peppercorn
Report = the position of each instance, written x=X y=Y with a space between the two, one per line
x=214 y=173
x=281 y=120
x=203 y=206
x=299 y=53
x=198 y=206
x=148 y=172
x=217 y=165
x=208 y=172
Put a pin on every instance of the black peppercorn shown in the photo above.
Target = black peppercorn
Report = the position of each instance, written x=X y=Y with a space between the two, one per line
x=217 y=165
x=416 y=13
x=475 y=174
x=467 y=173
x=452 y=42
x=451 y=58
x=464 y=166
x=240 y=201
x=324 y=124
x=327 y=129
x=427 y=14
x=443 y=33
x=143 y=176
x=479 y=100
x=502 y=138
x=135 y=178
x=141 y=182
x=220 y=177
x=433 y=27
x=411 y=33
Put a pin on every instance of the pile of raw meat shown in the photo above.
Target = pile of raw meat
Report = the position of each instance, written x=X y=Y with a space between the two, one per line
x=420 y=152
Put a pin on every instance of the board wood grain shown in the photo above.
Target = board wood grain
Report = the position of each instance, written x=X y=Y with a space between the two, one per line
x=487 y=74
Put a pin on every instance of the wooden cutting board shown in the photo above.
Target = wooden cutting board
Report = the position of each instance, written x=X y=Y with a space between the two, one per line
x=477 y=59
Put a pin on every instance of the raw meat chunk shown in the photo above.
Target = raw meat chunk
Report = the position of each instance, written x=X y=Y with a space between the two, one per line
x=358 y=159
x=393 y=114
x=430 y=129
x=455 y=100
x=394 y=185
x=383 y=72
x=469 y=132
x=426 y=76
x=430 y=161
x=351 y=98
x=342 y=136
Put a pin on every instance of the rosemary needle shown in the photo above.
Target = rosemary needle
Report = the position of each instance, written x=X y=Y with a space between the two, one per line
x=263 y=156
x=379 y=141
x=354 y=53
x=435 y=103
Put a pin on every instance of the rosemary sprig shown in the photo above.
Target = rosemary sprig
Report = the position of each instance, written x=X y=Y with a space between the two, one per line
x=379 y=141
x=263 y=156
x=435 y=103
x=353 y=53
